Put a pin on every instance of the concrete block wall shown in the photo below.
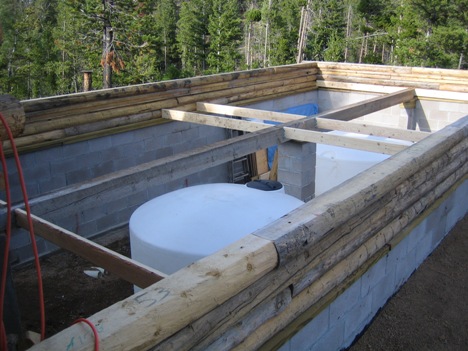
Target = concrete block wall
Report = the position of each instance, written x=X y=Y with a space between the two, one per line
x=54 y=168
x=296 y=169
x=434 y=115
x=336 y=327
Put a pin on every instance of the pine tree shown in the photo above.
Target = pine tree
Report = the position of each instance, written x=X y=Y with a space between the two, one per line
x=192 y=35
x=166 y=25
x=225 y=34
x=327 y=31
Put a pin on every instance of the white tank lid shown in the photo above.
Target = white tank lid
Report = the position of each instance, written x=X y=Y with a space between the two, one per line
x=197 y=221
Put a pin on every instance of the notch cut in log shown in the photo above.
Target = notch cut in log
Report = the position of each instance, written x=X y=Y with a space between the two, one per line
x=122 y=266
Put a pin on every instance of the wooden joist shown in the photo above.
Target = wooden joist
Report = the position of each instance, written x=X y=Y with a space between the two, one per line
x=350 y=142
x=244 y=112
x=115 y=263
x=215 y=121
x=362 y=128
x=345 y=113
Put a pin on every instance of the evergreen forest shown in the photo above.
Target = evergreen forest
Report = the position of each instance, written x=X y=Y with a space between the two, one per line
x=45 y=45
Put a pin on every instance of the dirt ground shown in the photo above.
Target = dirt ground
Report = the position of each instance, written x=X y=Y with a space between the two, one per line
x=430 y=312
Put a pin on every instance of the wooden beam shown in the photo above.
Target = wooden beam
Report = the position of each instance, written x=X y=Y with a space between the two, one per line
x=120 y=265
x=343 y=141
x=215 y=121
x=247 y=112
x=345 y=113
x=362 y=128
x=362 y=108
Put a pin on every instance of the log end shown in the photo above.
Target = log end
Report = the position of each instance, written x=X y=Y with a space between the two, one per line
x=13 y=113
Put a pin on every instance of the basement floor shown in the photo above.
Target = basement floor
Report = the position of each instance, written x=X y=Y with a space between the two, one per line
x=430 y=312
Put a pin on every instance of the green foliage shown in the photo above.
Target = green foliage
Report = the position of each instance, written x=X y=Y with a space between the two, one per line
x=225 y=33
x=327 y=29
x=192 y=35
x=46 y=44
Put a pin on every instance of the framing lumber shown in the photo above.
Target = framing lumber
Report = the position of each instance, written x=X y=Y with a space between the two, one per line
x=363 y=128
x=343 y=141
x=215 y=121
x=366 y=107
x=244 y=112
x=115 y=263
x=345 y=113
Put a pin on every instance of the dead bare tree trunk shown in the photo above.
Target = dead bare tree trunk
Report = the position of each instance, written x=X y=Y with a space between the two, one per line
x=348 y=32
x=107 y=51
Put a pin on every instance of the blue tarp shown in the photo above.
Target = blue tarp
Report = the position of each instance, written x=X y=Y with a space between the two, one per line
x=304 y=110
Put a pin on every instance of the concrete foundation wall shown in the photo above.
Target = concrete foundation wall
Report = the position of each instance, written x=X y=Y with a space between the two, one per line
x=341 y=322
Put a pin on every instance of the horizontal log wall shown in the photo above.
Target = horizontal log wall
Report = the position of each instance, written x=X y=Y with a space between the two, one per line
x=75 y=117
x=320 y=248
x=417 y=77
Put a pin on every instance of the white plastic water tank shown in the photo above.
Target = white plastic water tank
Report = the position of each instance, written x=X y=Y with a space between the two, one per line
x=337 y=164
x=173 y=230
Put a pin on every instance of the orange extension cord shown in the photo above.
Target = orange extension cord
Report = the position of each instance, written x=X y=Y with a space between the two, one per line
x=3 y=338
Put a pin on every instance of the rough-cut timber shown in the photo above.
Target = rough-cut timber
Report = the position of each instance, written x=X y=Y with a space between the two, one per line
x=13 y=113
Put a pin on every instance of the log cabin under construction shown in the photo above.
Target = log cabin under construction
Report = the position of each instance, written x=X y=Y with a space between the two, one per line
x=313 y=277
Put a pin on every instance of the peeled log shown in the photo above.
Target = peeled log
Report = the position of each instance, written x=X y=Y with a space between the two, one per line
x=13 y=112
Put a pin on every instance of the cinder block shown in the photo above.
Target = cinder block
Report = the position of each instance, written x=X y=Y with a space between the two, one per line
x=332 y=340
x=373 y=276
x=103 y=168
x=394 y=257
x=19 y=238
x=345 y=302
x=62 y=166
x=87 y=230
x=76 y=149
x=44 y=156
x=417 y=235
x=49 y=184
x=356 y=319
x=459 y=206
x=312 y=332
x=423 y=249
x=382 y=292
x=447 y=106
x=290 y=178
x=405 y=267
x=99 y=144
x=122 y=139
x=78 y=176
